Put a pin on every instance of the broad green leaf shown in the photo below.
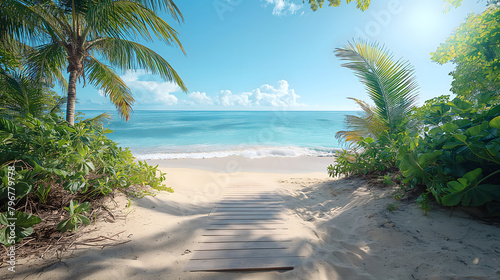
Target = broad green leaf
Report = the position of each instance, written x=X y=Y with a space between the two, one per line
x=495 y=123
x=460 y=137
x=474 y=175
x=22 y=219
x=451 y=145
x=369 y=140
x=455 y=187
x=473 y=196
x=64 y=225
x=461 y=122
x=71 y=208
x=494 y=147
x=474 y=130
x=84 y=207
x=449 y=127
x=452 y=199
x=81 y=150
x=84 y=220
x=4 y=236
x=461 y=104
x=464 y=182
x=435 y=131
x=425 y=160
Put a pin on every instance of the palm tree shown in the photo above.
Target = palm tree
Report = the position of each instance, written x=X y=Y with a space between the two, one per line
x=390 y=84
x=79 y=34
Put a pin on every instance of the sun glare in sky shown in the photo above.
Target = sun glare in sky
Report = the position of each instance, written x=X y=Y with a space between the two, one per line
x=424 y=21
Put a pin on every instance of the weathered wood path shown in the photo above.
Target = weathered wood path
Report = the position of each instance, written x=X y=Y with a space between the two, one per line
x=247 y=231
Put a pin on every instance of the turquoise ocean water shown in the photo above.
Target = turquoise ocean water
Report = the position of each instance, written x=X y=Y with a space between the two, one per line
x=207 y=134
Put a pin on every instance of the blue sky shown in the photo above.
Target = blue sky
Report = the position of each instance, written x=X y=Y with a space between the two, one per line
x=278 y=54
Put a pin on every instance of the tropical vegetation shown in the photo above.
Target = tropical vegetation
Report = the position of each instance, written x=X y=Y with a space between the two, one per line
x=57 y=166
x=78 y=36
x=360 y=4
x=448 y=148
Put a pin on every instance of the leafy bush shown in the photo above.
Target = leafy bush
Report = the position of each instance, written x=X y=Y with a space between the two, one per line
x=370 y=157
x=75 y=218
x=18 y=223
x=79 y=160
x=457 y=155
x=452 y=148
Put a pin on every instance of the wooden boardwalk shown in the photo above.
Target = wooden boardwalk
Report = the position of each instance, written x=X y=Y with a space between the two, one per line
x=247 y=231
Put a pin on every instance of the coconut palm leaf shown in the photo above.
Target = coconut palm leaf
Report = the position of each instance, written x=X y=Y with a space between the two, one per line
x=365 y=125
x=44 y=64
x=101 y=118
x=121 y=19
x=111 y=85
x=129 y=55
x=21 y=95
x=390 y=84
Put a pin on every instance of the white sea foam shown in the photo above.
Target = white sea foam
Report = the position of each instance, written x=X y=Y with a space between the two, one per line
x=247 y=152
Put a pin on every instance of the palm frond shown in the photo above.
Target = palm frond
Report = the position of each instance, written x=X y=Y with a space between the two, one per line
x=168 y=5
x=102 y=118
x=45 y=62
x=129 y=55
x=61 y=101
x=390 y=84
x=365 y=125
x=21 y=95
x=121 y=19
x=112 y=86
x=17 y=19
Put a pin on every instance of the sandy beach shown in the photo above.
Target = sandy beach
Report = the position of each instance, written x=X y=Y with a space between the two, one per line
x=342 y=226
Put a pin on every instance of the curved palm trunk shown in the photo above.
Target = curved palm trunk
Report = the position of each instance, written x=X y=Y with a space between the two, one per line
x=70 y=109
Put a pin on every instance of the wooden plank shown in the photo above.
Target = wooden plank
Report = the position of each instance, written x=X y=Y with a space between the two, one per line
x=246 y=209
x=250 y=253
x=218 y=216
x=248 y=212
x=250 y=207
x=253 y=238
x=245 y=232
x=244 y=264
x=261 y=226
x=250 y=197
x=251 y=201
x=247 y=222
x=250 y=204
x=243 y=245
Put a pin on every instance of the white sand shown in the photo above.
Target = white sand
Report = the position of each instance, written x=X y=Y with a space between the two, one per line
x=342 y=225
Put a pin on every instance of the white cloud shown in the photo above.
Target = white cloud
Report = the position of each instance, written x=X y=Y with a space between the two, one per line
x=279 y=96
x=150 y=91
x=283 y=7
x=227 y=98
x=199 y=98
x=265 y=96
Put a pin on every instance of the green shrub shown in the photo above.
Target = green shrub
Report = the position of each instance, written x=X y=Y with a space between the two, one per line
x=457 y=155
x=49 y=154
x=75 y=217
x=370 y=157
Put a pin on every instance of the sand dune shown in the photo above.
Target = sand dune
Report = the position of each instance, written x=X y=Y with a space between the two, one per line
x=342 y=226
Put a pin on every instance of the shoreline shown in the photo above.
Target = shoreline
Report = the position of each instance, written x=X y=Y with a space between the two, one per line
x=237 y=164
